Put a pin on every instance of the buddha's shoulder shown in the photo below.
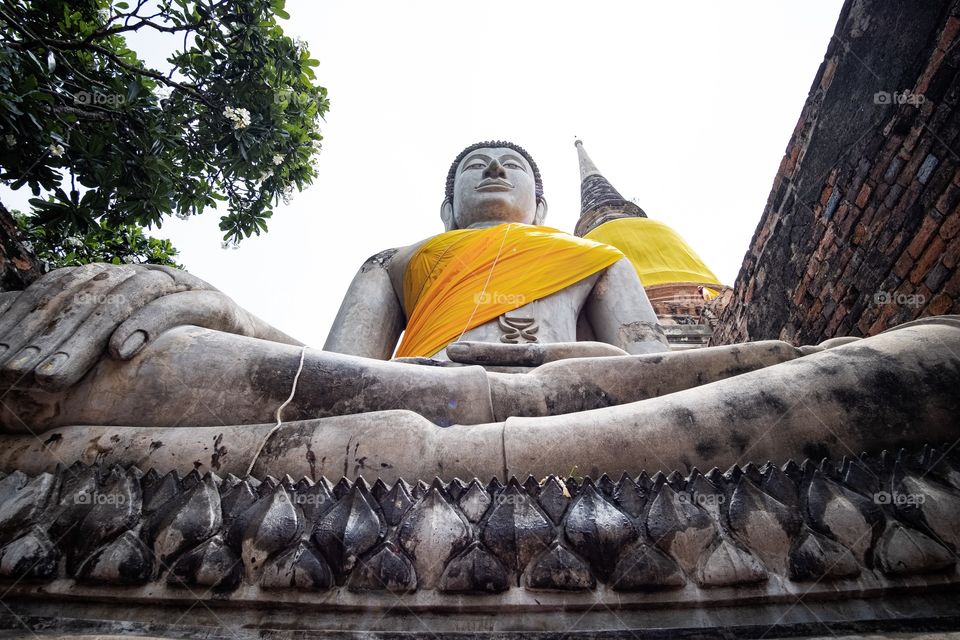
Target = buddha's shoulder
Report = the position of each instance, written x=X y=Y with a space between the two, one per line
x=392 y=259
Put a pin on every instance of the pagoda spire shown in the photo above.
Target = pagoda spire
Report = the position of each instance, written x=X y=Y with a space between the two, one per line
x=599 y=200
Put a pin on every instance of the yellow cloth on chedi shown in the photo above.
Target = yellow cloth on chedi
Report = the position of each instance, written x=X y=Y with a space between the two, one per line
x=658 y=253
x=461 y=279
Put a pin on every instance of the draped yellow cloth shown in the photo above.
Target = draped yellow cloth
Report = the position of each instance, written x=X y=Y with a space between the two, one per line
x=461 y=279
x=657 y=252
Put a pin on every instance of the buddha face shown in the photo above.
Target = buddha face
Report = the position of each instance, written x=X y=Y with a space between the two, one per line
x=492 y=186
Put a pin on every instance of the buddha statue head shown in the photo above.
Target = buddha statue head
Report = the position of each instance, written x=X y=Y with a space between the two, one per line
x=492 y=183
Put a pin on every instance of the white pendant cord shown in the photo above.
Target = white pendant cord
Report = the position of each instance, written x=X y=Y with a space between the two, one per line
x=278 y=415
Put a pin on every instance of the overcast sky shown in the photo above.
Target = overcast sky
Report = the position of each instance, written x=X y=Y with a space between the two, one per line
x=685 y=107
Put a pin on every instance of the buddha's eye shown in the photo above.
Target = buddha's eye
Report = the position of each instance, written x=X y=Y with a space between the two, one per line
x=474 y=165
x=513 y=165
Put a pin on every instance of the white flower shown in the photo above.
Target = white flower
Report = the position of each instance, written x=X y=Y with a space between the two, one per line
x=277 y=159
x=300 y=44
x=238 y=115
x=10 y=140
x=73 y=241
x=182 y=215
x=267 y=174
x=129 y=259
x=56 y=150
x=229 y=244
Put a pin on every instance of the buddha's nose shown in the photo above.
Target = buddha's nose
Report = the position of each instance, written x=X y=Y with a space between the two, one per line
x=494 y=170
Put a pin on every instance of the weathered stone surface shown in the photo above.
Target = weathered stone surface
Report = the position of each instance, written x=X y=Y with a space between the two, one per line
x=680 y=527
x=116 y=506
x=268 y=527
x=726 y=531
x=903 y=551
x=431 y=532
x=630 y=496
x=21 y=509
x=516 y=530
x=395 y=503
x=211 y=564
x=554 y=498
x=184 y=522
x=125 y=561
x=348 y=530
x=816 y=557
x=314 y=500
x=31 y=556
x=643 y=567
x=476 y=570
x=299 y=568
x=939 y=507
x=727 y=564
x=597 y=530
x=766 y=525
x=559 y=568
x=158 y=492
x=848 y=517
x=386 y=568
x=474 y=501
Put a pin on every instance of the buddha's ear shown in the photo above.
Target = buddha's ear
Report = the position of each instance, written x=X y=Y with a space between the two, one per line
x=541 y=211
x=446 y=214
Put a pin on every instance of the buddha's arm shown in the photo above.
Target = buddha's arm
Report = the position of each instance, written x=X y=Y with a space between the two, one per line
x=371 y=318
x=620 y=313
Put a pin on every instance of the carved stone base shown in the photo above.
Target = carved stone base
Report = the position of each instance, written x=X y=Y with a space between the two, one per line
x=869 y=544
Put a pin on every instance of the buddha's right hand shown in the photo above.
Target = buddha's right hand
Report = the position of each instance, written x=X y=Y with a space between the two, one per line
x=531 y=354
x=56 y=330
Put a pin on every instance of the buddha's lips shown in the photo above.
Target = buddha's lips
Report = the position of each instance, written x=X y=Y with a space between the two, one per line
x=494 y=184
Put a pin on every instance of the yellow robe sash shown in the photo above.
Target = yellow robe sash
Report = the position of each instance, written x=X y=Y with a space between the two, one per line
x=461 y=279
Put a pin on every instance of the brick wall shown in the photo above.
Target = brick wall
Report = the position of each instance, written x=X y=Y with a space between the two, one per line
x=860 y=231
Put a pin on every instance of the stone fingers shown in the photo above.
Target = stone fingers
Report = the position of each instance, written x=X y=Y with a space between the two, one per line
x=208 y=309
x=39 y=338
x=62 y=302
x=38 y=296
x=75 y=349
x=187 y=281
x=7 y=298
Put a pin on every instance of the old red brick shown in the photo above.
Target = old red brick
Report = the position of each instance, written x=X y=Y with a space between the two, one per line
x=882 y=161
x=864 y=195
x=951 y=255
x=944 y=202
x=950 y=226
x=919 y=155
x=911 y=140
x=949 y=33
x=826 y=193
x=926 y=260
x=858 y=233
x=952 y=287
x=923 y=235
x=940 y=304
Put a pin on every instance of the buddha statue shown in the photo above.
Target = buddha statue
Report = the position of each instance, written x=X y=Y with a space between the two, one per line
x=487 y=280
x=543 y=355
